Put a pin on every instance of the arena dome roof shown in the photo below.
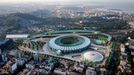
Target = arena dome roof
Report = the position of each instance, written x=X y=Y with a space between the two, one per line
x=93 y=56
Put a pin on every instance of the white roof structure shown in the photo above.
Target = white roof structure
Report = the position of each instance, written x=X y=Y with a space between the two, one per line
x=93 y=56
x=57 y=45
x=17 y=36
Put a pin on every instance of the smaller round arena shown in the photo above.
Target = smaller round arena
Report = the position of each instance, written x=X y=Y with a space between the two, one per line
x=93 y=56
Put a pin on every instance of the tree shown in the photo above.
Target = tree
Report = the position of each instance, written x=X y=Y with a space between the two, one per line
x=19 y=42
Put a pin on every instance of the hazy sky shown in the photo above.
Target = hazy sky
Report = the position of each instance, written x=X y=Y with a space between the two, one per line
x=14 y=1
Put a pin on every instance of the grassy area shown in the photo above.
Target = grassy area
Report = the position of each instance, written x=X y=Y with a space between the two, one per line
x=103 y=38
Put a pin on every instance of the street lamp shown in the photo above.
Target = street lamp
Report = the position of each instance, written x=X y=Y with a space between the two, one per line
x=127 y=44
x=127 y=47
x=129 y=38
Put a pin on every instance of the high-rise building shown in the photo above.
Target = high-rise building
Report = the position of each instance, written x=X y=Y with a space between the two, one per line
x=4 y=57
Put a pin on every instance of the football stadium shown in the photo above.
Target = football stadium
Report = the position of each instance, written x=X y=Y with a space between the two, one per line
x=75 y=45
x=70 y=43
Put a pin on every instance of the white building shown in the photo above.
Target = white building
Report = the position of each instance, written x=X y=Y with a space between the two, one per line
x=17 y=36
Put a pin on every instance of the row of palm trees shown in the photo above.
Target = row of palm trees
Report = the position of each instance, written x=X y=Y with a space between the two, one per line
x=34 y=45
x=114 y=58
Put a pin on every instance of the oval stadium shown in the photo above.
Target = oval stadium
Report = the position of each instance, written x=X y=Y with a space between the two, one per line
x=69 y=43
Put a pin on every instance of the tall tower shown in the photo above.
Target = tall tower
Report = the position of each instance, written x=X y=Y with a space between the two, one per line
x=36 y=57
x=19 y=58
x=4 y=56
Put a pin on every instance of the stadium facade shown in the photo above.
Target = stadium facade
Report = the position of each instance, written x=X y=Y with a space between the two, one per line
x=69 y=43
